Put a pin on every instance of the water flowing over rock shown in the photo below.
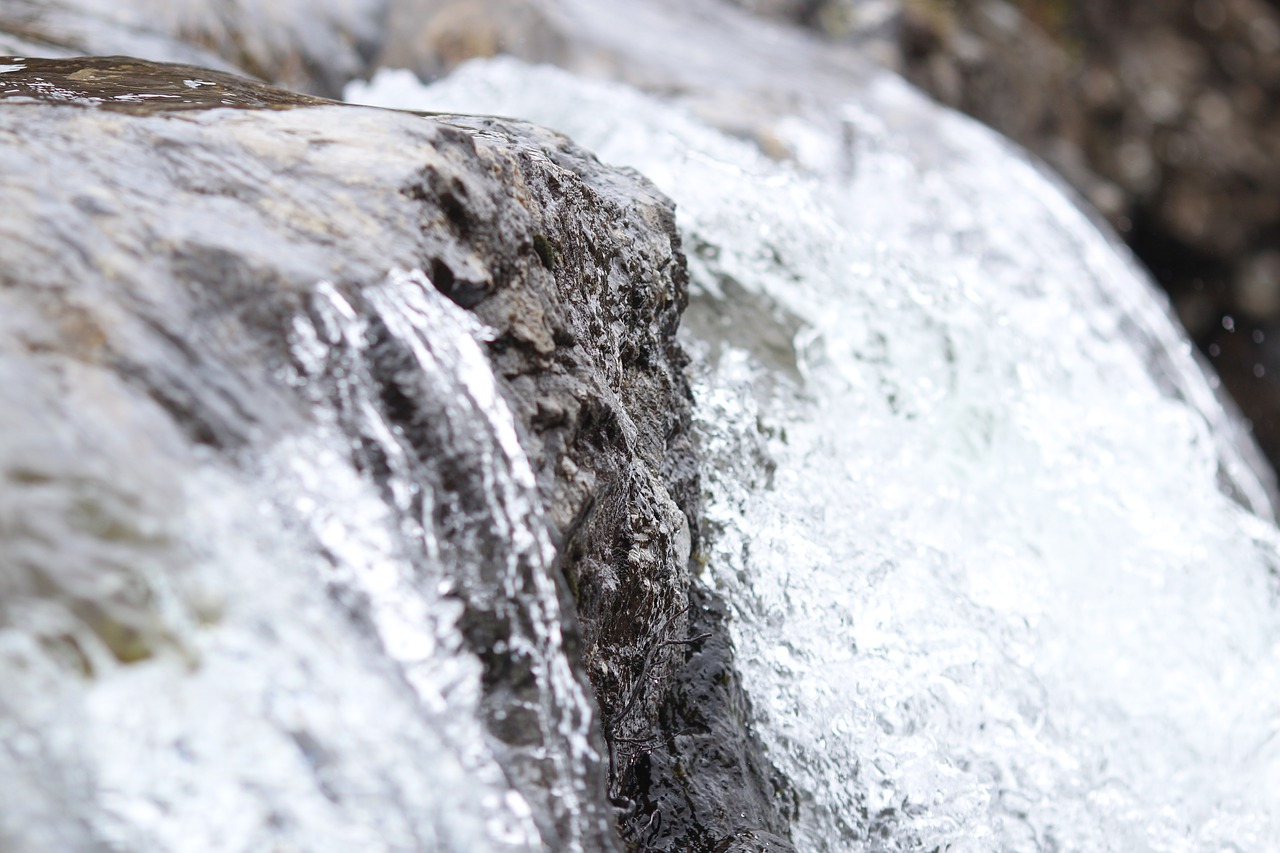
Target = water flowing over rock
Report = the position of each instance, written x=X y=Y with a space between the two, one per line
x=353 y=498
x=292 y=541
x=1160 y=113
x=969 y=610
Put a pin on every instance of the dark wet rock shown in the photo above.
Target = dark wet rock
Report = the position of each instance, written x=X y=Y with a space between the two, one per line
x=704 y=785
x=753 y=841
x=655 y=644
x=242 y=277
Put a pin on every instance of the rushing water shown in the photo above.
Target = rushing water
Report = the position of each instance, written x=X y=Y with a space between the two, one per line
x=263 y=653
x=1002 y=577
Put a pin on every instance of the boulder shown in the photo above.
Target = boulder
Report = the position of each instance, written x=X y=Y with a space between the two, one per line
x=349 y=492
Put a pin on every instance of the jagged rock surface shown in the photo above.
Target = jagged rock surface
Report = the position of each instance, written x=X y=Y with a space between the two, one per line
x=188 y=288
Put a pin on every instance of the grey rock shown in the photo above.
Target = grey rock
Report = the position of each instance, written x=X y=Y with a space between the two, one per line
x=702 y=781
x=686 y=771
x=218 y=251
x=188 y=286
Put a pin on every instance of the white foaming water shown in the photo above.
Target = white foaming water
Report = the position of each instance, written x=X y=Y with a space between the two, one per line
x=201 y=656
x=966 y=487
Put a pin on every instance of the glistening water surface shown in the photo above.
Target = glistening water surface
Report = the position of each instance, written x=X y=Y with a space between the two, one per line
x=300 y=680
x=990 y=541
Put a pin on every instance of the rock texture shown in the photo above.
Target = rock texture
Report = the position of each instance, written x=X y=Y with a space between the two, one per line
x=699 y=779
x=310 y=47
x=241 y=266
x=225 y=273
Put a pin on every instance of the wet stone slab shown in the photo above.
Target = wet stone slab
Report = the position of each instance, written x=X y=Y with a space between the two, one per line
x=130 y=85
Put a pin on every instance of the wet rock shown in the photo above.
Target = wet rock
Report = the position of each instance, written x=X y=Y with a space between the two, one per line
x=703 y=782
x=123 y=84
x=312 y=47
x=231 y=283
x=608 y=405
x=751 y=841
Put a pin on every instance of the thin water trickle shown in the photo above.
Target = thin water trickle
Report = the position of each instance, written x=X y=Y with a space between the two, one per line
x=266 y=652
x=1002 y=575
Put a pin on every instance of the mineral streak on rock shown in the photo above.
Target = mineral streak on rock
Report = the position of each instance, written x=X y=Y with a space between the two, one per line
x=231 y=283
x=314 y=47
x=1160 y=114
x=125 y=84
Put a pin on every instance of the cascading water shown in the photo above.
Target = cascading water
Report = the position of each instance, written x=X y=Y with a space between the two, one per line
x=306 y=683
x=1001 y=575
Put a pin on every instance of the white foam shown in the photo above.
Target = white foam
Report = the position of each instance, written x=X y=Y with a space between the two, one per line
x=989 y=590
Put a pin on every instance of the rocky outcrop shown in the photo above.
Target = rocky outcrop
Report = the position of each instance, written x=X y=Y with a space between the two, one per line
x=208 y=270
x=241 y=280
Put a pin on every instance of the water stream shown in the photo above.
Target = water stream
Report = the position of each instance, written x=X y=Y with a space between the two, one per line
x=1002 y=575
x=264 y=652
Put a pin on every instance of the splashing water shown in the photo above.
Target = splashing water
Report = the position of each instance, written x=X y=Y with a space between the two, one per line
x=264 y=653
x=989 y=538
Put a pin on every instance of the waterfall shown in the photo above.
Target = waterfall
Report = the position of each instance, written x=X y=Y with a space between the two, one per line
x=1002 y=574
x=276 y=566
